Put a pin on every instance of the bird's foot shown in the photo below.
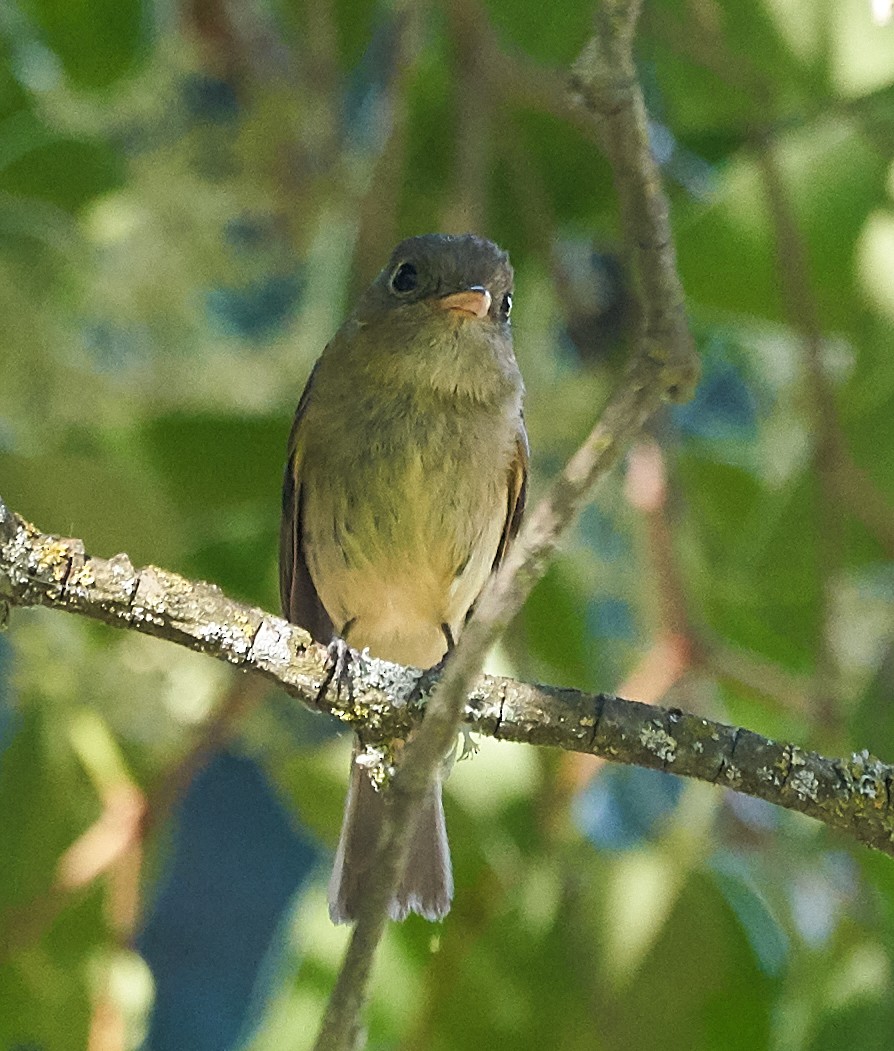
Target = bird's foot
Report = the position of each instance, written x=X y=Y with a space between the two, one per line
x=426 y=683
x=469 y=744
x=342 y=660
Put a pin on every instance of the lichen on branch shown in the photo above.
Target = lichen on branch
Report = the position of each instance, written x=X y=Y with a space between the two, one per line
x=852 y=794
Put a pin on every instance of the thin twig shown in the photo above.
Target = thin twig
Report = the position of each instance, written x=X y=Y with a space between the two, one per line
x=665 y=365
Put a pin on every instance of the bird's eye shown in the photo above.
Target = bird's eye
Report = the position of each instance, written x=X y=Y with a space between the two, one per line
x=506 y=306
x=405 y=278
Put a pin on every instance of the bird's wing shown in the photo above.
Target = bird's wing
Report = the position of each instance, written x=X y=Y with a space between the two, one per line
x=300 y=602
x=516 y=492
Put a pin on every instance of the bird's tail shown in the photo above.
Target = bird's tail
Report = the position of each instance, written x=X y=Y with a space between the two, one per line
x=427 y=885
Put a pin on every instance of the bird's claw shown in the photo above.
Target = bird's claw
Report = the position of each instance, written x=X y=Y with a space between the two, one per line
x=427 y=681
x=469 y=746
x=341 y=659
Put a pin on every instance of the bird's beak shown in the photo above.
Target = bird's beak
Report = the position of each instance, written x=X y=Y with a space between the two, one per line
x=475 y=301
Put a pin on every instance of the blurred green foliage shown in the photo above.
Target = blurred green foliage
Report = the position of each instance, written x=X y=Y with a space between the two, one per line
x=190 y=195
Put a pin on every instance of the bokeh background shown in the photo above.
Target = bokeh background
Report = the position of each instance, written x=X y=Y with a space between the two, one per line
x=191 y=193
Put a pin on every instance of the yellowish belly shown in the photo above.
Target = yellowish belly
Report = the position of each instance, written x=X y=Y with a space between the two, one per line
x=394 y=589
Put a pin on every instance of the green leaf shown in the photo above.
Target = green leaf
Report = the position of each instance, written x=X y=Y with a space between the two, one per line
x=867 y=1023
x=552 y=635
x=556 y=40
x=67 y=172
x=766 y=936
x=112 y=506
x=40 y=780
x=224 y=475
x=701 y=985
x=46 y=992
x=758 y=579
x=97 y=41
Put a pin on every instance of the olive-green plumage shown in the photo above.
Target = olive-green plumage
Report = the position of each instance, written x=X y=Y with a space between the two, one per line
x=404 y=484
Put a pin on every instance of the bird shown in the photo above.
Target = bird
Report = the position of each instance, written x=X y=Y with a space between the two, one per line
x=404 y=486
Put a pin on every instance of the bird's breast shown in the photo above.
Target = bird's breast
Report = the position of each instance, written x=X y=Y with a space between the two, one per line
x=402 y=517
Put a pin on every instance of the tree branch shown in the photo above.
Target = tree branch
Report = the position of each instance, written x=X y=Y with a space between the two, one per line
x=852 y=794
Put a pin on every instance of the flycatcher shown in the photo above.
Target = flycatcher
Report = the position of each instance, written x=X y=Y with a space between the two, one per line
x=405 y=483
